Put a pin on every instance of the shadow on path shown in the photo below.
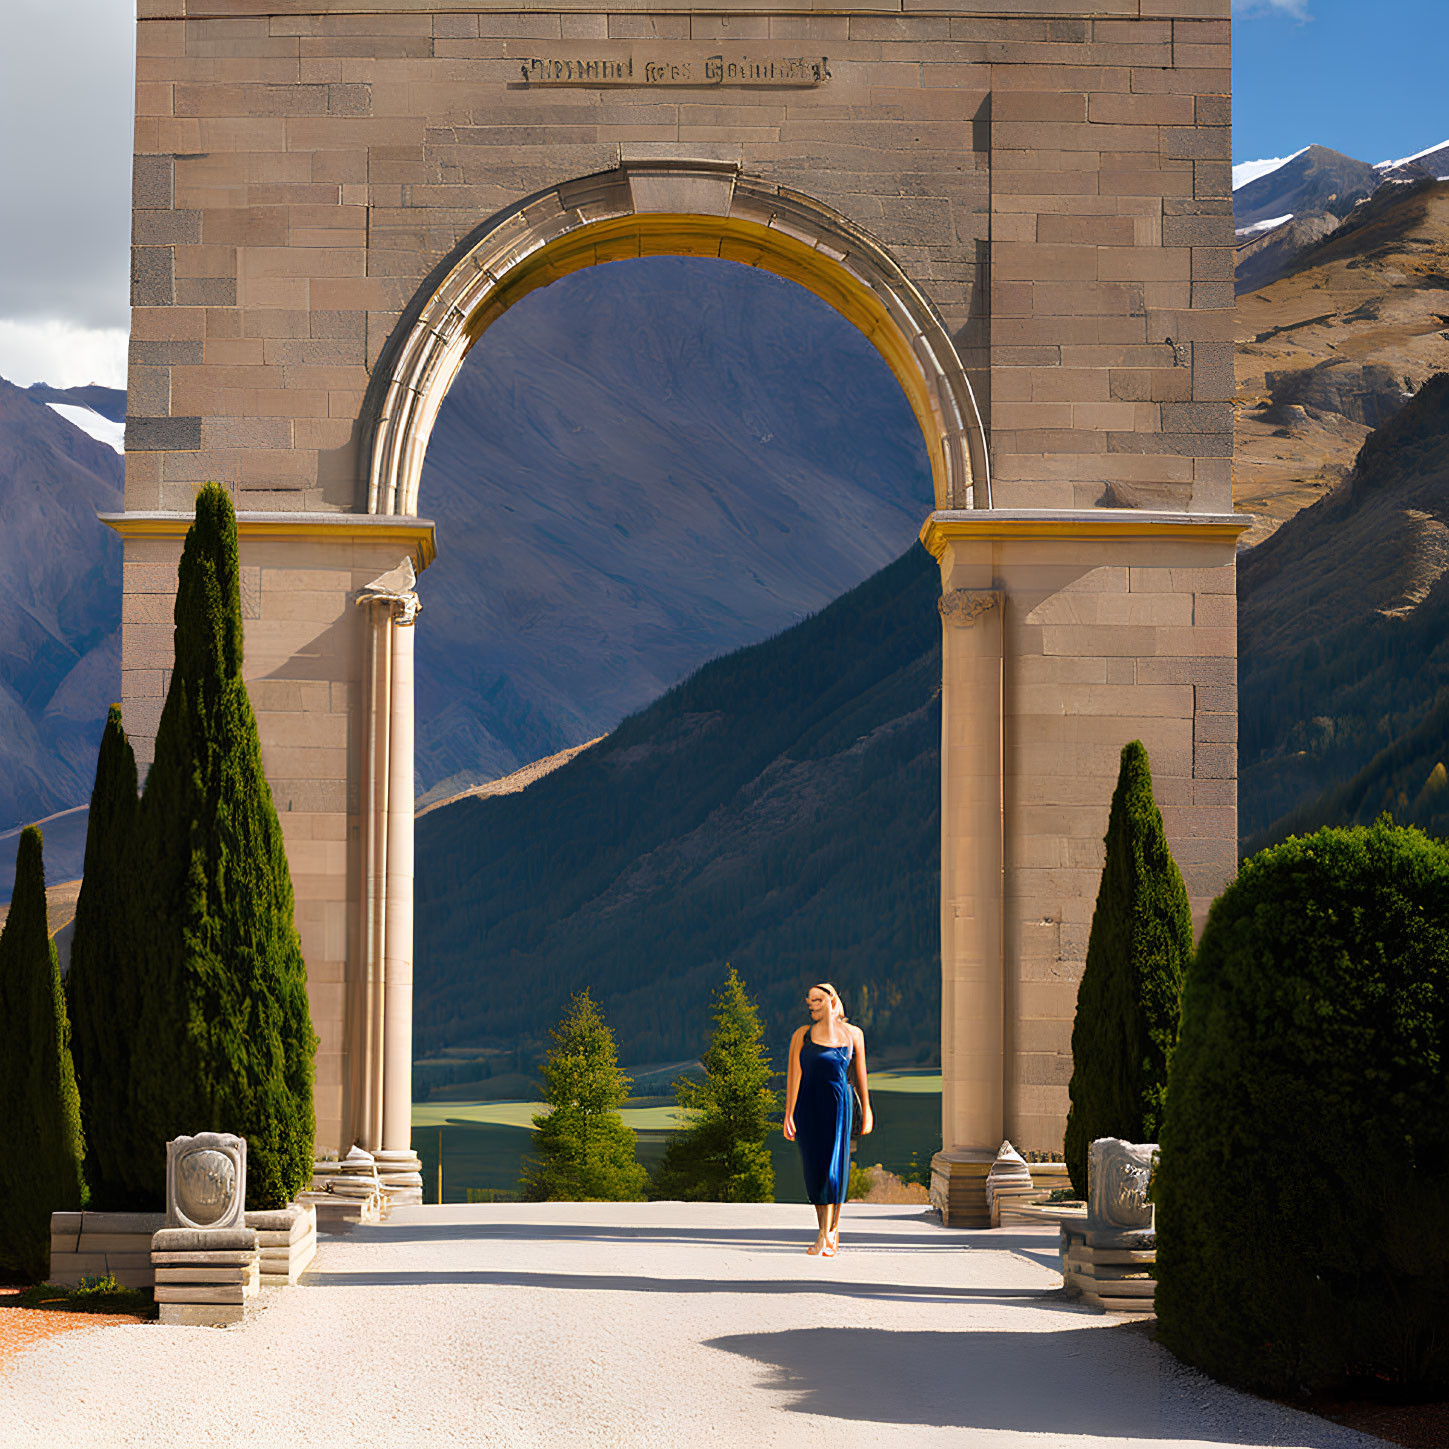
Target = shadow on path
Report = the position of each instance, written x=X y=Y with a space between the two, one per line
x=1111 y=1383
x=792 y=1238
x=639 y=1283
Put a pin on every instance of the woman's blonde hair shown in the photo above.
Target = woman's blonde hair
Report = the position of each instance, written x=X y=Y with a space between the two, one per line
x=833 y=994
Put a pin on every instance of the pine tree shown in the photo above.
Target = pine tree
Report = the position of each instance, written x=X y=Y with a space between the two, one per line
x=1130 y=993
x=40 y=1134
x=224 y=1035
x=721 y=1156
x=585 y=1152
x=101 y=985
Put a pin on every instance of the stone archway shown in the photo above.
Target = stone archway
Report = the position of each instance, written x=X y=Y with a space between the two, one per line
x=676 y=207
x=1042 y=196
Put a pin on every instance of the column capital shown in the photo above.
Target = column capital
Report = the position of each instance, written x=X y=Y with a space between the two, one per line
x=965 y=606
x=395 y=589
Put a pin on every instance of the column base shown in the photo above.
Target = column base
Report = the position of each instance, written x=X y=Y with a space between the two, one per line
x=958 y=1186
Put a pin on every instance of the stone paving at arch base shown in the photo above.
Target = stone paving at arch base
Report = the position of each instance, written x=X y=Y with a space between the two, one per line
x=647 y=1324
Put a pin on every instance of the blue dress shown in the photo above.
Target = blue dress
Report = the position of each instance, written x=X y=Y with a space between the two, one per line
x=824 y=1108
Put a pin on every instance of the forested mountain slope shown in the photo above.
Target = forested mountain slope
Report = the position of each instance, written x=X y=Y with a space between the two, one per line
x=778 y=811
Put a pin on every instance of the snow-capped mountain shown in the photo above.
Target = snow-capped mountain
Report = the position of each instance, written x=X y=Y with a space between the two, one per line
x=1314 y=179
x=1286 y=204
x=1431 y=161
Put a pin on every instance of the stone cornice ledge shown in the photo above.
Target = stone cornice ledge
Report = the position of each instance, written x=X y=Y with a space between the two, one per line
x=1000 y=525
x=418 y=533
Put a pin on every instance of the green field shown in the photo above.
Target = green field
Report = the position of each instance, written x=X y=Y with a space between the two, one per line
x=483 y=1144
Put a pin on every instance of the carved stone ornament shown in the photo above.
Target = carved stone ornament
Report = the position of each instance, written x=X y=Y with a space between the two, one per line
x=1118 y=1175
x=1009 y=1170
x=966 y=606
x=206 y=1181
x=395 y=587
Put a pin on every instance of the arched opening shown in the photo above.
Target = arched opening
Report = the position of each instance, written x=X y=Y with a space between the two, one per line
x=679 y=209
x=642 y=467
x=637 y=211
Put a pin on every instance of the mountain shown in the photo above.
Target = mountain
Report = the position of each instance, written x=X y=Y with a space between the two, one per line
x=1317 y=179
x=1433 y=162
x=1343 y=636
x=778 y=811
x=1333 y=348
x=641 y=467
x=60 y=602
x=1265 y=253
x=1282 y=213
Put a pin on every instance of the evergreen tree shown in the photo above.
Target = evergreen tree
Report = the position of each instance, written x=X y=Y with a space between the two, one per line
x=40 y=1133
x=721 y=1156
x=1131 y=988
x=101 y=985
x=224 y=1035
x=585 y=1152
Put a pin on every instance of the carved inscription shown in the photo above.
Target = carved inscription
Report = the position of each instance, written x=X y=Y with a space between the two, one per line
x=708 y=70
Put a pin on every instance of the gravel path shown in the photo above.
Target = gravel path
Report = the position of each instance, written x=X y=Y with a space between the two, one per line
x=648 y=1324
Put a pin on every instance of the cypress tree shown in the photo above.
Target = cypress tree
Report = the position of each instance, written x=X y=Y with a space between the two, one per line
x=585 y=1151
x=101 y=985
x=721 y=1156
x=40 y=1134
x=1131 y=987
x=224 y=1039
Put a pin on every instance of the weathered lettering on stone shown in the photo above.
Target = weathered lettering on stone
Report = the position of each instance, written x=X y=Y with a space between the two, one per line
x=706 y=70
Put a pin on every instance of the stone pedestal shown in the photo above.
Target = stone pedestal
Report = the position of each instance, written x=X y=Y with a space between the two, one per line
x=286 y=1242
x=345 y=1192
x=1109 y=1254
x=1118 y=1278
x=205 y=1276
x=400 y=1176
x=958 y=1187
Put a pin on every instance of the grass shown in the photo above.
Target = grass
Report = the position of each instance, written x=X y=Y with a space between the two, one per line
x=91 y=1295
x=483 y=1144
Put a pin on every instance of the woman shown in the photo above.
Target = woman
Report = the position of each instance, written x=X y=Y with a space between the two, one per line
x=819 y=1106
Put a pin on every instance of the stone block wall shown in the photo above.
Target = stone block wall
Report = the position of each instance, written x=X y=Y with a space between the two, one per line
x=1131 y=644
x=1103 y=640
x=1054 y=174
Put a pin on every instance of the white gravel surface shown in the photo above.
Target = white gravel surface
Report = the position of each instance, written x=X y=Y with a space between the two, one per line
x=646 y=1324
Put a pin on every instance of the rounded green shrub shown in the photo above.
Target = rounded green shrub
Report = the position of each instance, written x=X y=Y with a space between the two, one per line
x=1303 y=1189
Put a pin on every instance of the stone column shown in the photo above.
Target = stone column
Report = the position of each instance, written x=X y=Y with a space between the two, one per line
x=397 y=1073
x=384 y=999
x=972 y=1004
x=365 y=1001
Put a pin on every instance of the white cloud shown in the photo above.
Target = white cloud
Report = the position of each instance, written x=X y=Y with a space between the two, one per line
x=66 y=84
x=62 y=353
x=1246 y=9
x=1246 y=171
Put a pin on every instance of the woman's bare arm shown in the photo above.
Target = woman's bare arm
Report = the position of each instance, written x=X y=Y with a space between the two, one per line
x=862 y=1085
x=792 y=1082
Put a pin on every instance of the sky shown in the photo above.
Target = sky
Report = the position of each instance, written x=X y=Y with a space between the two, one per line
x=1361 y=76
